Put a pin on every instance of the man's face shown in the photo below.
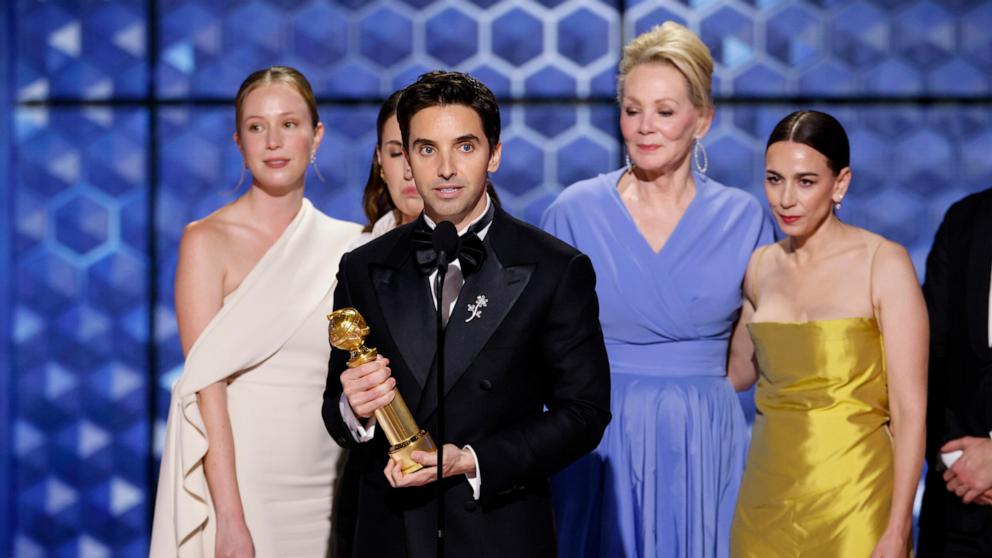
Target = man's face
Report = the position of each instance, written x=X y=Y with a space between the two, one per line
x=450 y=159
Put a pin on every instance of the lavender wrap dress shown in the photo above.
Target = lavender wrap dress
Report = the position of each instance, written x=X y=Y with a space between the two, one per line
x=664 y=479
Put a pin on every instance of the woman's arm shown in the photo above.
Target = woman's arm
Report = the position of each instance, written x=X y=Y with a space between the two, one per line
x=199 y=295
x=742 y=369
x=903 y=320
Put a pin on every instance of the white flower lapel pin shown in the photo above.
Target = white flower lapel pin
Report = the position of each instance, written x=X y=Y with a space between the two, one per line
x=475 y=310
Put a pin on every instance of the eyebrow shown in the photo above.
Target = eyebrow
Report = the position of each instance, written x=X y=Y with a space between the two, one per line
x=656 y=101
x=394 y=142
x=801 y=174
x=460 y=139
x=285 y=113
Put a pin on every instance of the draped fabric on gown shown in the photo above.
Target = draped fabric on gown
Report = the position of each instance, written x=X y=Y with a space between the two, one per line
x=664 y=479
x=269 y=342
x=819 y=472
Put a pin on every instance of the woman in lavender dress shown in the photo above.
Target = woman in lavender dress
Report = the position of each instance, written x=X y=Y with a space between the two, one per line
x=670 y=247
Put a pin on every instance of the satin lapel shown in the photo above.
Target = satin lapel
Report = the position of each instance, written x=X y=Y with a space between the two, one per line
x=405 y=299
x=464 y=338
x=979 y=266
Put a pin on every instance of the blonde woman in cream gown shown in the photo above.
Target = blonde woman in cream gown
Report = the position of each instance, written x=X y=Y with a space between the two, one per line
x=836 y=322
x=247 y=467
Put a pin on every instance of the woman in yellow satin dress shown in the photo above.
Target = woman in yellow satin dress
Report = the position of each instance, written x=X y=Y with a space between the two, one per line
x=838 y=346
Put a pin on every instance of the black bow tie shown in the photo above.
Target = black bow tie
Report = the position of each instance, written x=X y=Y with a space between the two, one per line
x=470 y=252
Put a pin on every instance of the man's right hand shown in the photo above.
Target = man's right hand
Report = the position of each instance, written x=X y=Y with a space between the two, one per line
x=368 y=387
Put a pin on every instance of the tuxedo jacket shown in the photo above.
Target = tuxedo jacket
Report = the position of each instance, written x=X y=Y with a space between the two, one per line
x=957 y=293
x=960 y=383
x=526 y=385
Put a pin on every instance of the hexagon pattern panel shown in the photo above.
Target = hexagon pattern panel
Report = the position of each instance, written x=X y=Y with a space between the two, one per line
x=526 y=49
x=367 y=49
x=80 y=332
x=85 y=244
x=84 y=50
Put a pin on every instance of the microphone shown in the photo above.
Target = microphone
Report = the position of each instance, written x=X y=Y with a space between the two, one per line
x=446 y=243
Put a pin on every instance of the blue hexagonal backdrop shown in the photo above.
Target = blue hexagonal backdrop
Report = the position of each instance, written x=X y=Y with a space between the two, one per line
x=88 y=50
x=81 y=427
x=120 y=131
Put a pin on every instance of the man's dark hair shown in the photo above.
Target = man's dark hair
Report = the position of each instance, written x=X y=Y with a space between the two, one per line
x=439 y=88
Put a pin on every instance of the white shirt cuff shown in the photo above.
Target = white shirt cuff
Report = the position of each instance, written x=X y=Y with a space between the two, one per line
x=475 y=482
x=361 y=433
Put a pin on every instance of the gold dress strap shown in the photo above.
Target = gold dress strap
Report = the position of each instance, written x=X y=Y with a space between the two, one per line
x=758 y=255
x=872 y=251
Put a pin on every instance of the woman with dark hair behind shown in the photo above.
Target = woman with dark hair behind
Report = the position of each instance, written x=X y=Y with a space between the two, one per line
x=838 y=331
x=390 y=198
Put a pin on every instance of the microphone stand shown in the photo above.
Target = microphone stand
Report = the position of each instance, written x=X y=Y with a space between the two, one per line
x=446 y=244
x=442 y=269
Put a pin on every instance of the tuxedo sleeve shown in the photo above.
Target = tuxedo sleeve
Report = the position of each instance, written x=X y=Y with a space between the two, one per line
x=942 y=425
x=575 y=374
x=330 y=409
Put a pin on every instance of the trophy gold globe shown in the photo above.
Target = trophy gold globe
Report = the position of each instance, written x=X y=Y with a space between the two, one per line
x=347 y=331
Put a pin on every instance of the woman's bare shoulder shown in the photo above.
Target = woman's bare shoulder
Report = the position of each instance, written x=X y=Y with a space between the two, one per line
x=882 y=250
x=212 y=234
x=769 y=256
x=763 y=259
x=890 y=261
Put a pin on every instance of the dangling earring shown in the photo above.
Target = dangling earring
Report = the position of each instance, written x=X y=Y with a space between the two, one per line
x=630 y=164
x=313 y=163
x=837 y=205
x=699 y=152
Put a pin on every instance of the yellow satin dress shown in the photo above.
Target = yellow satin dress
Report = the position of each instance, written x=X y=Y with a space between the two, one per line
x=818 y=480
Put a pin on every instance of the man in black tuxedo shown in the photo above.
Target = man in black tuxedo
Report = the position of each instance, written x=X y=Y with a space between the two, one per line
x=526 y=379
x=956 y=519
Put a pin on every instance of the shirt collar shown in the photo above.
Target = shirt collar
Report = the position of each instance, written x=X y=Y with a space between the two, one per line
x=482 y=233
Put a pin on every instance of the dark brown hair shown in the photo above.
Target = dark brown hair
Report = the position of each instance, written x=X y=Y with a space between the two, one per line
x=439 y=88
x=375 y=197
x=818 y=130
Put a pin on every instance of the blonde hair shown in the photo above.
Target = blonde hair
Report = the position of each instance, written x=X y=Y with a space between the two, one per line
x=275 y=74
x=673 y=44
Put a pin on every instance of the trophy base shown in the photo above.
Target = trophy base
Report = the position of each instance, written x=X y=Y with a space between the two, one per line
x=421 y=441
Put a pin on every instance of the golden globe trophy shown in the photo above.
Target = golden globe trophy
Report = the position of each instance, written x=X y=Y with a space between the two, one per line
x=347 y=331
